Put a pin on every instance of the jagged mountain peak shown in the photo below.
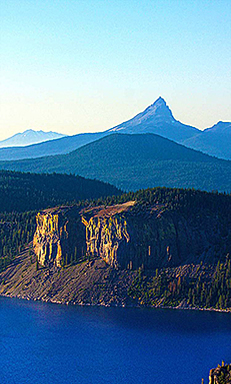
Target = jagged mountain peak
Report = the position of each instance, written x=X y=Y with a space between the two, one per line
x=157 y=118
x=156 y=113
x=160 y=101
x=159 y=109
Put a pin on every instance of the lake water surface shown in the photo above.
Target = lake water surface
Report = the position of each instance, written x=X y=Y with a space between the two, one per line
x=49 y=343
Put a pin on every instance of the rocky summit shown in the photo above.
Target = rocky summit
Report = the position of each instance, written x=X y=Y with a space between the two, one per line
x=157 y=118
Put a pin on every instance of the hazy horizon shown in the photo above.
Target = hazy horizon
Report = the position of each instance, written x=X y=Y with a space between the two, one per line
x=88 y=66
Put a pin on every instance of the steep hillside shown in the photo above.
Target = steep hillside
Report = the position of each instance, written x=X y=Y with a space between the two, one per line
x=29 y=137
x=137 y=161
x=26 y=191
x=87 y=282
x=21 y=194
x=160 y=247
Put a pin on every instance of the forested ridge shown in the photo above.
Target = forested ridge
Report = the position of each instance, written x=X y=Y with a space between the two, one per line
x=17 y=228
x=23 y=194
x=28 y=191
x=191 y=201
x=136 y=161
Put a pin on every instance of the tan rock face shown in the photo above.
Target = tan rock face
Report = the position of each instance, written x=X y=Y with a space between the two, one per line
x=64 y=235
x=56 y=239
x=48 y=236
x=126 y=236
x=121 y=239
x=104 y=237
x=128 y=239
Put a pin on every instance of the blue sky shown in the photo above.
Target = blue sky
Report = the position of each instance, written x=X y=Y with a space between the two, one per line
x=76 y=66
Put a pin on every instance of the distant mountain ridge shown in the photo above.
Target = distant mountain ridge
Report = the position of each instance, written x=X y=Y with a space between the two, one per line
x=132 y=162
x=215 y=141
x=29 y=137
x=49 y=148
x=157 y=118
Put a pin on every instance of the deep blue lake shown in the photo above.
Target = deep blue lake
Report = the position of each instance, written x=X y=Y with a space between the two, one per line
x=49 y=343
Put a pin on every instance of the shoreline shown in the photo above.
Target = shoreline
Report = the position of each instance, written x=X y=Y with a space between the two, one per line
x=82 y=304
x=83 y=284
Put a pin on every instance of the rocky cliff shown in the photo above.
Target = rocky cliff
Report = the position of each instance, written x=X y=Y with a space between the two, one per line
x=59 y=236
x=66 y=234
x=220 y=375
x=129 y=236
x=157 y=247
x=107 y=238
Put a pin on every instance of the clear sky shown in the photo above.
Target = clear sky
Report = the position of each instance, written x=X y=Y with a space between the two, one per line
x=78 y=66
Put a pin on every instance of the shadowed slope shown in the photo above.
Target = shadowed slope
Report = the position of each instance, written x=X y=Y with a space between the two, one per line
x=137 y=161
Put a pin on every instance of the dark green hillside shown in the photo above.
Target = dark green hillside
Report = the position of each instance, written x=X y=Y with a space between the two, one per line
x=20 y=192
x=137 y=161
x=27 y=191
x=192 y=224
x=16 y=231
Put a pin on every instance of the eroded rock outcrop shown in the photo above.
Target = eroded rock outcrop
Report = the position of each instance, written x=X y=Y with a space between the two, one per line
x=107 y=238
x=67 y=234
x=107 y=234
x=220 y=375
x=128 y=236
x=59 y=236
